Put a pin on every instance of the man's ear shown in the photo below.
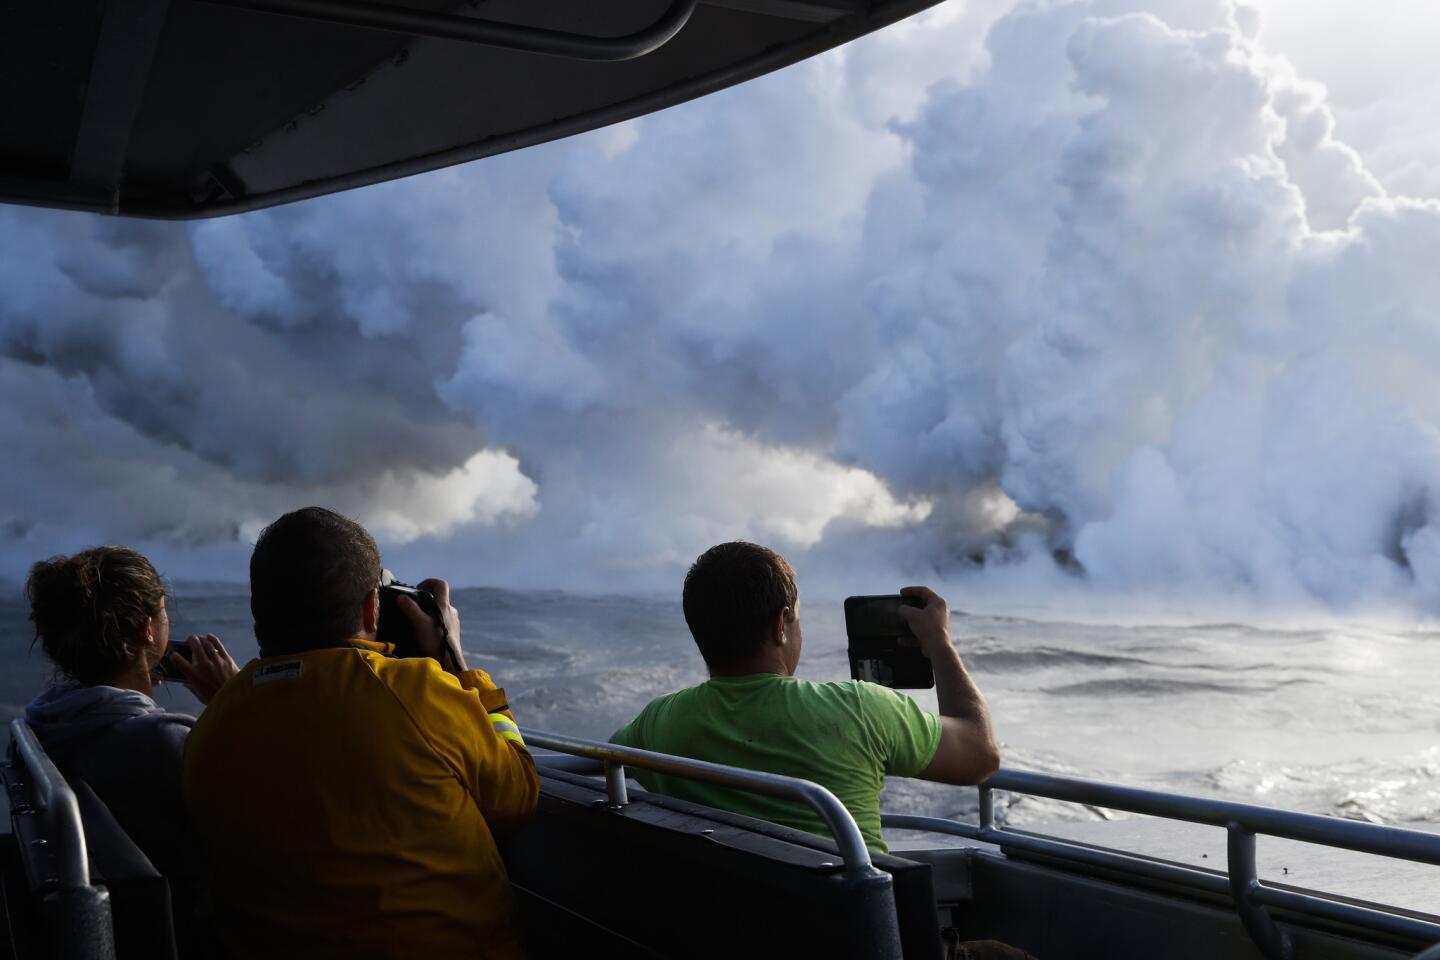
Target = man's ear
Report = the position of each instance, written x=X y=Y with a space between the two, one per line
x=370 y=618
x=776 y=632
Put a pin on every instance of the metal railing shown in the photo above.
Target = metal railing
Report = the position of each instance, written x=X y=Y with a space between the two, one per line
x=1241 y=821
x=53 y=850
x=57 y=807
x=842 y=825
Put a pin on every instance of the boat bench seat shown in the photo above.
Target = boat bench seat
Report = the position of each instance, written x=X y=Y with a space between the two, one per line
x=140 y=904
x=667 y=878
x=128 y=904
x=139 y=897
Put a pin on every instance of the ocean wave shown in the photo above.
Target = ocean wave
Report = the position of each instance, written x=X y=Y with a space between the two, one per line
x=520 y=652
x=597 y=704
x=1406 y=790
x=926 y=799
x=1037 y=658
x=1162 y=687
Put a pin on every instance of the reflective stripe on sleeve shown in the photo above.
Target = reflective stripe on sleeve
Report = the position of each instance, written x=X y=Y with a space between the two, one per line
x=506 y=728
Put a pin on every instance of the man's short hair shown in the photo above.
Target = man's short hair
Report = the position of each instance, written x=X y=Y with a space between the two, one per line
x=732 y=593
x=309 y=576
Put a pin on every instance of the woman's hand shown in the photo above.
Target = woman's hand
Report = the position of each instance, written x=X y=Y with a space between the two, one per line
x=209 y=666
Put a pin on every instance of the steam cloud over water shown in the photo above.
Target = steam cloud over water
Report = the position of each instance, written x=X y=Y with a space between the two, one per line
x=1101 y=297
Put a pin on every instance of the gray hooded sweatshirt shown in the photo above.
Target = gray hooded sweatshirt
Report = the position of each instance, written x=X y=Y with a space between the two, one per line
x=130 y=751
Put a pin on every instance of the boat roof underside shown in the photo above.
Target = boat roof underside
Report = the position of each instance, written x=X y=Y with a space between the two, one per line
x=179 y=108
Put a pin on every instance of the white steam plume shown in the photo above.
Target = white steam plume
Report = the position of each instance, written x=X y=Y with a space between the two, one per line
x=1105 y=296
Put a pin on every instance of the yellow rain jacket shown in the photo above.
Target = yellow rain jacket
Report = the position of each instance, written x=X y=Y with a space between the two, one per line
x=348 y=801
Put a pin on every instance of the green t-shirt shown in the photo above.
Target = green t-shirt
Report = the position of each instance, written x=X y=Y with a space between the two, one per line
x=844 y=736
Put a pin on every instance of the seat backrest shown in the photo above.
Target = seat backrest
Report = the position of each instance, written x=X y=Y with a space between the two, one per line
x=676 y=879
x=65 y=914
x=122 y=892
x=140 y=907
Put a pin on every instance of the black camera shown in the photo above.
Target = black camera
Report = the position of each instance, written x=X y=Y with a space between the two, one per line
x=166 y=670
x=396 y=629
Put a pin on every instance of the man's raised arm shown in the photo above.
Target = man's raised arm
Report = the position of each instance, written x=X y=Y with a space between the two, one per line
x=967 y=752
x=472 y=726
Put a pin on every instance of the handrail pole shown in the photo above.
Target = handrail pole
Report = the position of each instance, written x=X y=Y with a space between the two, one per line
x=55 y=798
x=615 y=784
x=1241 y=822
x=1244 y=881
x=874 y=929
x=1212 y=882
x=843 y=829
x=987 y=808
x=77 y=915
x=1385 y=841
x=1394 y=924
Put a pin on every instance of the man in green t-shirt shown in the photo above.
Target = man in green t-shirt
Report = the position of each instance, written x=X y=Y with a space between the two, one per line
x=742 y=607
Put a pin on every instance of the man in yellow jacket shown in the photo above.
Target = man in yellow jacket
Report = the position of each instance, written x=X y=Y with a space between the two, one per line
x=348 y=801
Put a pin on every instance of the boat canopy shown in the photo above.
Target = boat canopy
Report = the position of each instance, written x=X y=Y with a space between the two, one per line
x=179 y=109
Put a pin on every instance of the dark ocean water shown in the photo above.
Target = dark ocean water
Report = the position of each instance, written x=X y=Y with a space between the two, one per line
x=1332 y=720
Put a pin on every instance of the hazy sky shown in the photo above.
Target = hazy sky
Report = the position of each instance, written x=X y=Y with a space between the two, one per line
x=1377 y=61
x=1086 y=297
x=1363 y=52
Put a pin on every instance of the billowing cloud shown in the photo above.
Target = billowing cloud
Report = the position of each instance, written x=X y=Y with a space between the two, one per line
x=402 y=506
x=1089 y=287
